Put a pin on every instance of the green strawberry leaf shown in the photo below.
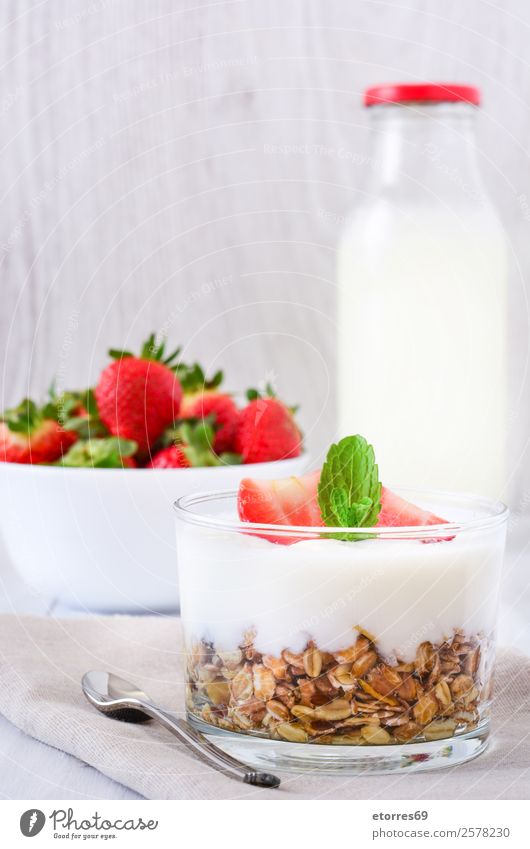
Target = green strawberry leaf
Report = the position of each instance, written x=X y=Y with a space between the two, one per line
x=196 y=438
x=168 y=361
x=118 y=354
x=228 y=458
x=197 y=442
x=99 y=453
x=61 y=407
x=86 y=427
x=184 y=429
x=193 y=378
x=349 y=491
x=255 y=394
x=150 y=350
x=216 y=380
x=89 y=402
x=23 y=419
x=65 y=409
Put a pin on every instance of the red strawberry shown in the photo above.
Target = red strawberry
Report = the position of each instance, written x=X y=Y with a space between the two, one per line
x=169 y=458
x=139 y=397
x=285 y=501
x=397 y=512
x=28 y=436
x=267 y=431
x=223 y=411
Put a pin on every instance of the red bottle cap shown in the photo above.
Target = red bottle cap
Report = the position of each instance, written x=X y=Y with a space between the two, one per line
x=421 y=92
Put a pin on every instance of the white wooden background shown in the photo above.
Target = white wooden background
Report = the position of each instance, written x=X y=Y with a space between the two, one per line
x=185 y=165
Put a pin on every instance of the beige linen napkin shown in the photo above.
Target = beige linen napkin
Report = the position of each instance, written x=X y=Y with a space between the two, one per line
x=42 y=661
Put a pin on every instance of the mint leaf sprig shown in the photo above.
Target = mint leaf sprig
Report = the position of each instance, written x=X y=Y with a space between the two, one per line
x=349 y=491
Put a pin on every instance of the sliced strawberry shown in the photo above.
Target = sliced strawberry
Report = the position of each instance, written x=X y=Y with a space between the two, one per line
x=397 y=512
x=294 y=501
x=285 y=501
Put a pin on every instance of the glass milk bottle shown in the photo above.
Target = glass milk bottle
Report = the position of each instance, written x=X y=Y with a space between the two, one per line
x=422 y=298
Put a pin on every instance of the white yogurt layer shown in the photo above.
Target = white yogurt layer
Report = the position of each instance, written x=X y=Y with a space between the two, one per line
x=402 y=591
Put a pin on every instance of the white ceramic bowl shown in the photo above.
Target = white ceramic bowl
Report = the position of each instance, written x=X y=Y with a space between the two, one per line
x=104 y=539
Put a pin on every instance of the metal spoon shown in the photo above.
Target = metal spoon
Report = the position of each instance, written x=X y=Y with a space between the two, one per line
x=121 y=700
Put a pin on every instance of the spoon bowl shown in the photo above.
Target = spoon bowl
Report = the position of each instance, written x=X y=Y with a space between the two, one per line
x=107 y=692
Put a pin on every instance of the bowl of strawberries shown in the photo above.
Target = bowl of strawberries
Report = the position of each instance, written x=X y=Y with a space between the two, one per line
x=96 y=473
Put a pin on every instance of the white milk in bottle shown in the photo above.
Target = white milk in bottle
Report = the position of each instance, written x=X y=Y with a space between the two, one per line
x=422 y=298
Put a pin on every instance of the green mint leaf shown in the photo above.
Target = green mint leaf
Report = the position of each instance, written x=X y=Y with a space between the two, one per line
x=349 y=491
x=358 y=512
x=339 y=505
x=349 y=515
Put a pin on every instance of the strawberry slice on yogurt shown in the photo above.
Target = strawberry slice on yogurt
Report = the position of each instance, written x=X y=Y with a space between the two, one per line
x=294 y=501
x=284 y=501
x=397 y=512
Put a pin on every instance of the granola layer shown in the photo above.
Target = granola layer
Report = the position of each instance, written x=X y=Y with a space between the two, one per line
x=352 y=696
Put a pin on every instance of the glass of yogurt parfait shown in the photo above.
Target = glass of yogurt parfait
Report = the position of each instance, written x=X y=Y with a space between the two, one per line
x=347 y=648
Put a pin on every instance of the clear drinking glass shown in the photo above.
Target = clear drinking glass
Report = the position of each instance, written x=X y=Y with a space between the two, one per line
x=374 y=652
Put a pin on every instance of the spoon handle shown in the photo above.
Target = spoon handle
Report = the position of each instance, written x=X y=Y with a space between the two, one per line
x=208 y=751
